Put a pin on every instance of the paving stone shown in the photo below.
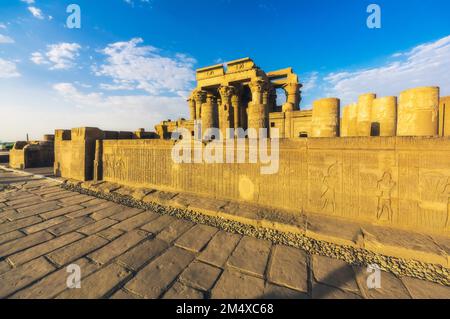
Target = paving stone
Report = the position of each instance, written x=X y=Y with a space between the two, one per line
x=4 y=267
x=272 y=291
x=58 y=195
x=236 y=285
x=142 y=253
x=180 y=291
x=174 y=230
x=153 y=280
x=196 y=238
x=53 y=284
x=61 y=212
x=76 y=250
x=127 y=213
x=10 y=236
x=157 y=225
x=200 y=276
x=95 y=208
x=99 y=284
x=122 y=294
x=110 y=234
x=39 y=208
x=118 y=246
x=108 y=212
x=391 y=286
x=97 y=226
x=95 y=202
x=19 y=244
x=47 y=190
x=258 y=250
x=289 y=268
x=320 y=291
x=44 y=225
x=136 y=221
x=24 y=202
x=78 y=199
x=24 y=275
x=18 y=224
x=420 y=289
x=70 y=225
x=333 y=272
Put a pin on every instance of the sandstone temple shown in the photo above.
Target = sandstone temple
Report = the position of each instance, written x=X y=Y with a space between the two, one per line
x=380 y=160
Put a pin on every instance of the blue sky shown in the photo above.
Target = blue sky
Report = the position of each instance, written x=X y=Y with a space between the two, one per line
x=133 y=62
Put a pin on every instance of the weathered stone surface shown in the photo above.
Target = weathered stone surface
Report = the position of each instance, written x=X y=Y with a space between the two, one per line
x=19 y=244
x=118 y=246
x=289 y=268
x=70 y=225
x=220 y=248
x=10 y=236
x=44 y=248
x=125 y=214
x=174 y=230
x=39 y=208
x=320 y=291
x=97 y=226
x=55 y=283
x=75 y=200
x=258 y=249
x=111 y=209
x=108 y=212
x=24 y=275
x=152 y=281
x=44 y=225
x=99 y=284
x=4 y=266
x=196 y=238
x=272 y=291
x=180 y=291
x=61 y=211
x=122 y=294
x=200 y=276
x=334 y=273
x=420 y=289
x=110 y=233
x=391 y=286
x=143 y=253
x=136 y=221
x=157 y=225
x=236 y=285
x=76 y=250
x=18 y=224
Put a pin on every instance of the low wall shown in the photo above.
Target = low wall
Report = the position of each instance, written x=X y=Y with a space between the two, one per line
x=399 y=181
x=31 y=154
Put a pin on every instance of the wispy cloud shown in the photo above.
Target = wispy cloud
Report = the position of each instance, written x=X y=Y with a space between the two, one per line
x=36 y=12
x=4 y=39
x=60 y=56
x=133 y=66
x=8 y=69
x=425 y=65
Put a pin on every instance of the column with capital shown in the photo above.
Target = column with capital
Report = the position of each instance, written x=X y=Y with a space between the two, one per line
x=258 y=108
x=209 y=113
x=199 y=98
x=293 y=97
x=192 y=111
x=226 y=109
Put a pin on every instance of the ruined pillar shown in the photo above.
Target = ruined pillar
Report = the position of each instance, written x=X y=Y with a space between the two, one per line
x=226 y=119
x=209 y=113
x=292 y=97
x=418 y=112
x=192 y=110
x=258 y=114
x=352 y=120
x=384 y=116
x=325 y=118
x=199 y=98
x=365 y=103
x=444 y=116
x=345 y=121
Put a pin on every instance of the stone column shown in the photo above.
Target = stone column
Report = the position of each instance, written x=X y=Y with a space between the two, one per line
x=384 y=116
x=325 y=118
x=292 y=97
x=365 y=103
x=209 y=113
x=192 y=110
x=352 y=128
x=226 y=119
x=345 y=121
x=258 y=115
x=444 y=116
x=199 y=98
x=418 y=112
x=235 y=102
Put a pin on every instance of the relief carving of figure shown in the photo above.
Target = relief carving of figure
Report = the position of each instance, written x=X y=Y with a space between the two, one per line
x=328 y=196
x=385 y=187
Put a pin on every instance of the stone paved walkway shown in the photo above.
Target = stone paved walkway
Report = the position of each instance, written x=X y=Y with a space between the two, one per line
x=130 y=253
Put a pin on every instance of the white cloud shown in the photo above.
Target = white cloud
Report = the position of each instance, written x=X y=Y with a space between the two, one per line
x=4 y=39
x=425 y=65
x=131 y=65
x=28 y=1
x=2 y=26
x=61 y=56
x=8 y=69
x=36 y=12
